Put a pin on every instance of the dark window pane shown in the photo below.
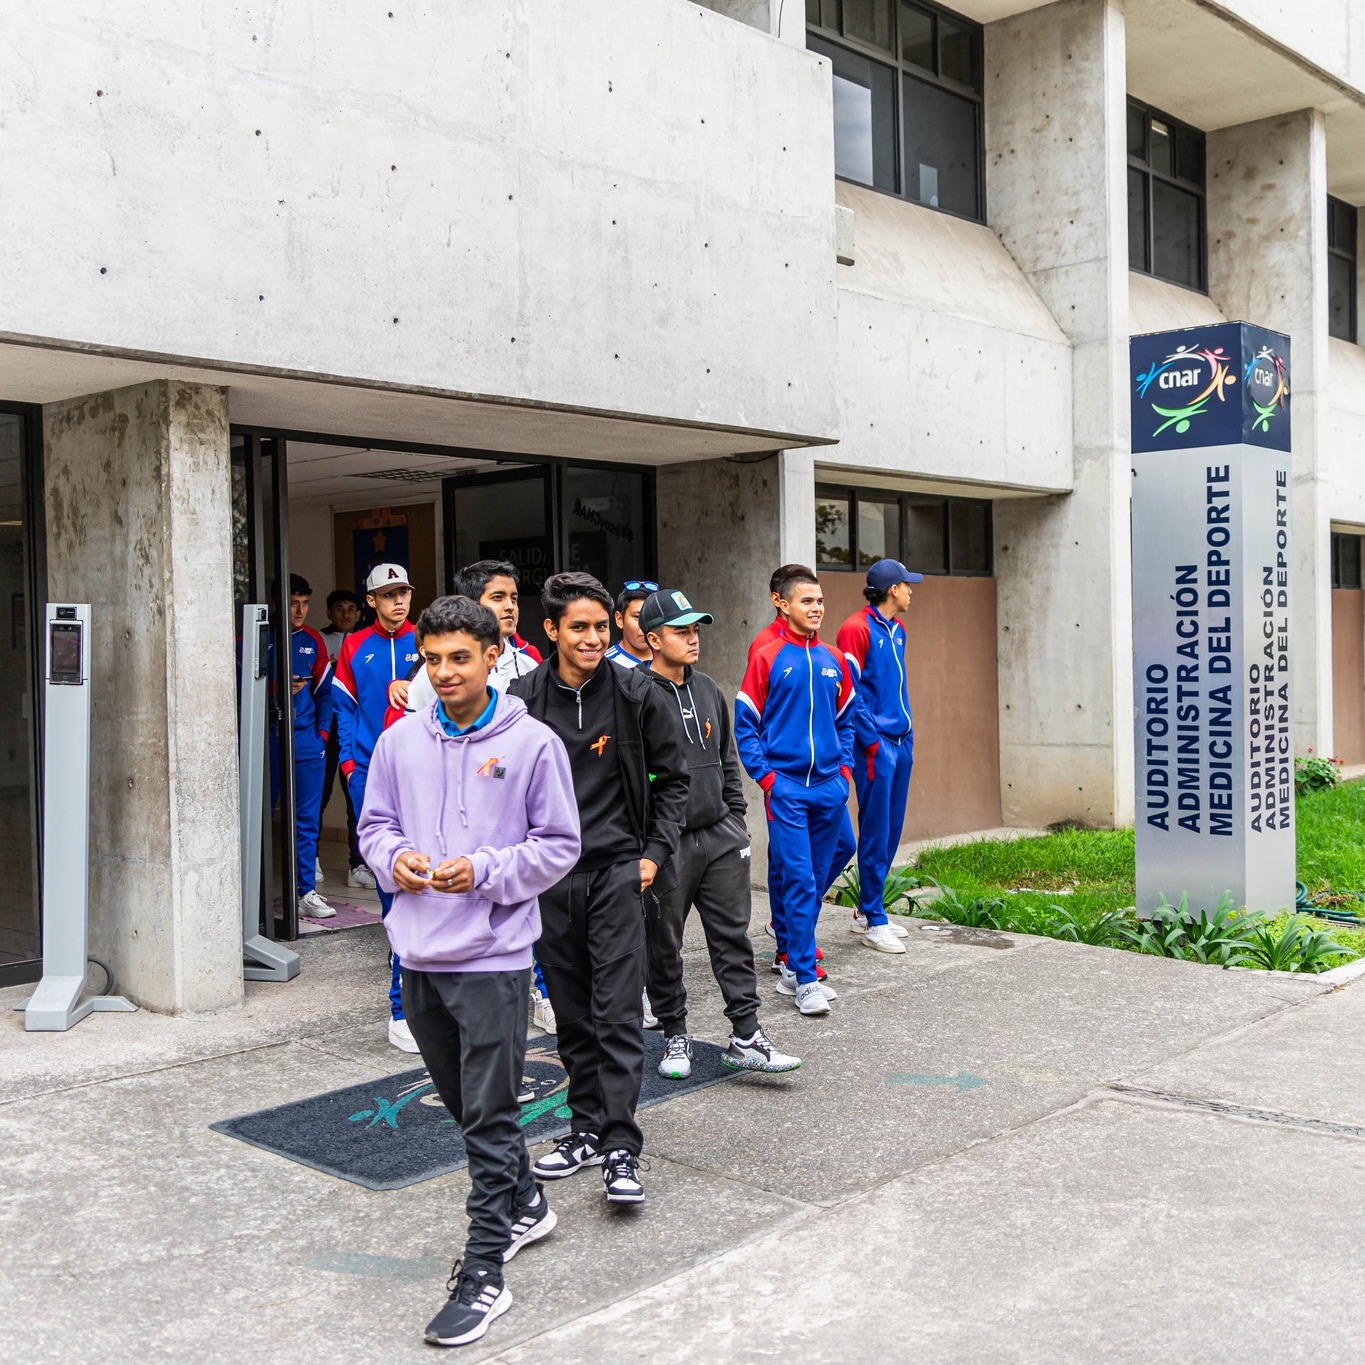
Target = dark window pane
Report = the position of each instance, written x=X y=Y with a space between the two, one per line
x=917 y=37
x=970 y=538
x=1189 y=158
x=925 y=543
x=1341 y=297
x=1137 y=131
x=832 y=14
x=1176 y=245
x=604 y=511
x=1341 y=226
x=1137 y=220
x=1346 y=561
x=879 y=530
x=864 y=117
x=1161 y=158
x=869 y=21
x=940 y=148
x=831 y=532
x=813 y=12
x=957 y=53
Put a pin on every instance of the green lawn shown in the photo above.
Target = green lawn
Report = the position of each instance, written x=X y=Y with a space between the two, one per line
x=1089 y=872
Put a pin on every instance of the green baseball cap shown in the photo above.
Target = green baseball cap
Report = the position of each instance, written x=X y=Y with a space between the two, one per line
x=669 y=607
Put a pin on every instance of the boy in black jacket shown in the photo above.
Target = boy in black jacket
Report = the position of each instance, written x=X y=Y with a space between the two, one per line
x=618 y=732
x=712 y=863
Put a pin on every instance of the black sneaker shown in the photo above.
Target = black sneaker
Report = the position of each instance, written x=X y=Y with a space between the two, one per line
x=621 y=1176
x=578 y=1149
x=527 y=1091
x=530 y=1222
x=757 y=1054
x=477 y=1296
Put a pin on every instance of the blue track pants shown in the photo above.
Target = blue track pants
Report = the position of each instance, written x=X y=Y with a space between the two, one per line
x=804 y=825
x=310 y=766
x=840 y=853
x=883 y=783
x=355 y=784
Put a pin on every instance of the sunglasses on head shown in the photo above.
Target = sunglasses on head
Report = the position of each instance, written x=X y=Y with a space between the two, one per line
x=640 y=584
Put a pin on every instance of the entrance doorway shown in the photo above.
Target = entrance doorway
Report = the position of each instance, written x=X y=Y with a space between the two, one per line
x=328 y=509
x=23 y=590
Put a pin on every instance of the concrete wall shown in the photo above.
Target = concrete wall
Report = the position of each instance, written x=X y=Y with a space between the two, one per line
x=1267 y=203
x=949 y=365
x=1055 y=160
x=138 y=525
x=602 y=205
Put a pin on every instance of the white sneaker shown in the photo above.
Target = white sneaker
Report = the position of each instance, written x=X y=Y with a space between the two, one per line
x=400 y=1035
x=317 y=871
x=810 y=999
x=542 y=1012
x=648 y=1020
x=756 y=1054
x=859 y=926
x=314 y=907
x=883 y=938
x=786 y=985
x=677 y=1059
x=361 y=876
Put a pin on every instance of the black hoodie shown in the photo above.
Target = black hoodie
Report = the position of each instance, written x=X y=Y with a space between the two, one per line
x=708 y=732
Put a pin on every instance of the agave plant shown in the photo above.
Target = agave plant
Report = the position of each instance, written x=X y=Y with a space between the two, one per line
x=982 y=913
x=1106 y=930
x=900 y=882
x=1295 y=947
x=1221 y=936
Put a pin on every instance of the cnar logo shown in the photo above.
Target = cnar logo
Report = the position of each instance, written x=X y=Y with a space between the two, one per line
x=1188 y=367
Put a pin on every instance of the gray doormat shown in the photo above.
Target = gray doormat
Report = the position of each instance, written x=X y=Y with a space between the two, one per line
x=393 y=1132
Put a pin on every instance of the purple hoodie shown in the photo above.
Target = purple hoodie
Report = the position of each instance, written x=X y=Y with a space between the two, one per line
x=501 y=796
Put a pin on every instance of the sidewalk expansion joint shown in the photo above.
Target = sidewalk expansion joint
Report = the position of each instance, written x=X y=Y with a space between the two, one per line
x=1227 y=1109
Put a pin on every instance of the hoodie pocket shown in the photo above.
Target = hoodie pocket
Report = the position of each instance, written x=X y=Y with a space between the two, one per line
x=436 y=928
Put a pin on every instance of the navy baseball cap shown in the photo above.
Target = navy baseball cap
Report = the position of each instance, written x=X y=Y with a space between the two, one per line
x=886 y=573
x=669 y=607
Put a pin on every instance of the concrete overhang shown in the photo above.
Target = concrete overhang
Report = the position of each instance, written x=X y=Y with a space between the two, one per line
x=37 y=371
x=1207 y=68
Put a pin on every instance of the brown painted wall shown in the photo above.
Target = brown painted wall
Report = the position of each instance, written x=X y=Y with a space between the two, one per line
x=1348 y=673
x=954 y=694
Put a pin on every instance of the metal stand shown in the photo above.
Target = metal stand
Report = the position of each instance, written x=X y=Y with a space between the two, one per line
x=57 y=1004
x=263 y=959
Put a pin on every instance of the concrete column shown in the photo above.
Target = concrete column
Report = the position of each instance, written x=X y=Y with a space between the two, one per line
x=720 y=538
x=796 y=508
x=1056 y=194
x=1267 y=219
x=138 y=524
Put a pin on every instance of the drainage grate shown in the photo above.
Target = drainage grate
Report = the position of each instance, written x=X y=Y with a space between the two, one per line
x=1240 y=1111
x=400 y=475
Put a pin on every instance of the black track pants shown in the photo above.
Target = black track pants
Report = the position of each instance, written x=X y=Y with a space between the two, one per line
x=471 y=1029
x=713 y=871
x=592 y=952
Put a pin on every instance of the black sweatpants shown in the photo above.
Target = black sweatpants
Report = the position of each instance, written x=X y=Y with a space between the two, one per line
x=592 y=954
x=713 y=871
x=329 y=776
x=471 y=1030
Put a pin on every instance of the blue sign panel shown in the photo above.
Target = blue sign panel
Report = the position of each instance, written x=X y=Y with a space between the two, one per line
x=1220 y=385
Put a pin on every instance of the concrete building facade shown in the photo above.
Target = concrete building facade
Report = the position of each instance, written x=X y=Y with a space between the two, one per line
x=656 y=288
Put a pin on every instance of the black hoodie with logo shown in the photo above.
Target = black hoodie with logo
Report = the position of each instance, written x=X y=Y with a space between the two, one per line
x=704 y=716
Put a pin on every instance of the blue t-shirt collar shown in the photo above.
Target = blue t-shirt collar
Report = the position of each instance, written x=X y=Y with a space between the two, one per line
x=485 y=716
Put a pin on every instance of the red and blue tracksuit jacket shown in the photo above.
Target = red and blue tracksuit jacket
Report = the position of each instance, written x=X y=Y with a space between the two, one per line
x=794 y=714
x=369 y=661
x=772 y=631
x=313 y=706
x=875 y=651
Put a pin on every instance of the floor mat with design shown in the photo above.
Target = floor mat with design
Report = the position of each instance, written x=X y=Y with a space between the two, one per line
x=392 y=1132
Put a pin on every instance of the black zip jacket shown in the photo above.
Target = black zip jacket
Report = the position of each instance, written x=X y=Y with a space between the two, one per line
x=705 y=716
x=647 y=740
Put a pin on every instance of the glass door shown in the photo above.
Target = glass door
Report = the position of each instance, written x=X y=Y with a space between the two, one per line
x=260 y=562
x=22 y=593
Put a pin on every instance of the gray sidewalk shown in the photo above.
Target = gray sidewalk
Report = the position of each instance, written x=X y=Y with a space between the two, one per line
x=1000 y=1148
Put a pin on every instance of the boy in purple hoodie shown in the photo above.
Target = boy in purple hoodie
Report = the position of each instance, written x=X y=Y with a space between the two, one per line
x=469 y=816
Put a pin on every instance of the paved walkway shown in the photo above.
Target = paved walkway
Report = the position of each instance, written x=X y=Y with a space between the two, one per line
x=1000 y=1148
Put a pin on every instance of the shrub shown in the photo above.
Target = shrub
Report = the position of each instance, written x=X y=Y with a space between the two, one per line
x=1313 y=773
x=1294 y=946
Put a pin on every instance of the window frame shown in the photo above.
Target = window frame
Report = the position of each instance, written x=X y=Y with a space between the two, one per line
x=1351 y=257
x=1337 y=546
x=1143 y=165
x=901 y=71
x=854 y=493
